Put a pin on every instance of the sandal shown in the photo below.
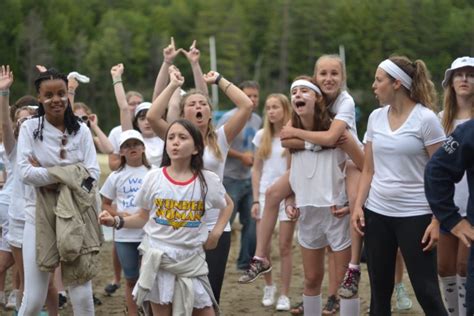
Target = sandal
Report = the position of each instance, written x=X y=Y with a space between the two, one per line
x=297 y=309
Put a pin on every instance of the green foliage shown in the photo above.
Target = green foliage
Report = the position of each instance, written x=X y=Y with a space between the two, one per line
x=271 y=41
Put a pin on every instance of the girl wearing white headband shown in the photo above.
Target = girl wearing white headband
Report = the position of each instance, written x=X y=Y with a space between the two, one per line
x=452 y=254
x=329 y=76
x=319 y=227
x=391 y=209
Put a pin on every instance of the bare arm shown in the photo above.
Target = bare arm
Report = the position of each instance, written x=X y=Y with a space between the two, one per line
x=107 y=206
x=101 y=140
x=193 y=57
x=221 y=223
x=120 y=97
x=293 y=143
x=169 y=54
x=6 y=80
x=327 y=138
x=137 y=220
x=351 y=148
x=114 y=161
x=365 y=181
x=173 y=106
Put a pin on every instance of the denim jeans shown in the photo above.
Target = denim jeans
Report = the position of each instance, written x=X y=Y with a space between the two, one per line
x=240 y=191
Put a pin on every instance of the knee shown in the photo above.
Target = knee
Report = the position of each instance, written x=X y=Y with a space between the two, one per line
x=446 y=269
x=313 y=282
x=272 y=197
x=285 y=248
x=131 y=282
x=461 y=268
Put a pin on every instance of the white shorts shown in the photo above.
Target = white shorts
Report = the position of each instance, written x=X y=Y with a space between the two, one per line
x=282 y=217
x=4 y=246
x=15 y=232
x=318 y=228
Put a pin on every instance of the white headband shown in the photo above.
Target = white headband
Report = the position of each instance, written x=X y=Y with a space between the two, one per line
x=396 y=72
x=307 y=84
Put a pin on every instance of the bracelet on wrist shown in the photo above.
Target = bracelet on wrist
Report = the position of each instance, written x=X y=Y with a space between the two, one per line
x=116 y=81
x=167 y=62
x=120 y=223
x=218 y=79
x=71 y=92
x=255 y=202
x=5 y=93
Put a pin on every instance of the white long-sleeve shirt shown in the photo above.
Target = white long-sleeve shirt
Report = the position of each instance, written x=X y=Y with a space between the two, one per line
x=78 y=147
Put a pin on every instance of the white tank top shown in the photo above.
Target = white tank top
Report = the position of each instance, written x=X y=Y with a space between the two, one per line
x=317 y=179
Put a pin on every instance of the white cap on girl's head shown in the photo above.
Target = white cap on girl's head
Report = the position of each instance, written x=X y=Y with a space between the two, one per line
x=142 y=106
x=460 y=62
x=130 y=134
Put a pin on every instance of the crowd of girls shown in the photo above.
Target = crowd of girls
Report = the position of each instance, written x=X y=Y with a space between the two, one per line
x=170 y=212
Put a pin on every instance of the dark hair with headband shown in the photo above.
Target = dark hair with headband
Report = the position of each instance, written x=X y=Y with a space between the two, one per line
x=71 y=122
x=422 y=88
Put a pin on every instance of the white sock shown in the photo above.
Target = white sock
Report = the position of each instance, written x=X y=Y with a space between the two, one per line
x=354 y=266
x=461 y=282
x=450 y=293
x=350 y=307
x=312 y=305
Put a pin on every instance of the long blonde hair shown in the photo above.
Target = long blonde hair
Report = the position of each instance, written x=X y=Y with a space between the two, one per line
x=450 y=108
x=265 y=148
x=422 y=89
x=210 y=139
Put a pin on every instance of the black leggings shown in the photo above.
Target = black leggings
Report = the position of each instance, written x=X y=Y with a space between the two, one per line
x=216 y=261
x=383 y=236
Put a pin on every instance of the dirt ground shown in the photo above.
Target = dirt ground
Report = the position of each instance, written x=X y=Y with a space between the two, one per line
x=236 y=299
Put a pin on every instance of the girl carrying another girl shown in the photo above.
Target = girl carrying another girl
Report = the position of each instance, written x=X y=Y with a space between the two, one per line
x=173 y=200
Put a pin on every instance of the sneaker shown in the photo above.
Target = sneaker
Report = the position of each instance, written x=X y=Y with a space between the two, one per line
x=11 y=302
x=268 y=295
x=111 y=288
x=3 y=299
x=350 y=284
x=403 y=301
x=62 y=300
x=283 y=303
x=256 y=269
x=332 y=305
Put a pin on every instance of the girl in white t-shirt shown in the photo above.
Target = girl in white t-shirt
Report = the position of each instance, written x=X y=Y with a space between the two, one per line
x=195 y=106
x=317 y=178
x=270 y=162
x=453 y=255
x=173 y=201
x=122 y=186
x=401 y=137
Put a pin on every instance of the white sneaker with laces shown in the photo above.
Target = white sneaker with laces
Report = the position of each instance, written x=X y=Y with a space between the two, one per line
x=11 y=302
x=268 y=295
x=283 y=303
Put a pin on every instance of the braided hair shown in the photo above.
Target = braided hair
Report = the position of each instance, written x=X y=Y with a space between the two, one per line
x=71 y=122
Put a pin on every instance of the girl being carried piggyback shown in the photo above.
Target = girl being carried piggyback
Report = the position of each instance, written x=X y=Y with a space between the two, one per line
x=172 y=201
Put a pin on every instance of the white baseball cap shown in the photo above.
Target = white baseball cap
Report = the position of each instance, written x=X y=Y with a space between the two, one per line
x=142 y=106
x=460 y=62
x=130 y=134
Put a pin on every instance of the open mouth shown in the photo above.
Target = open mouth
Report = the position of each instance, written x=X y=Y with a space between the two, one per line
x=300 y=104
x=199 y=115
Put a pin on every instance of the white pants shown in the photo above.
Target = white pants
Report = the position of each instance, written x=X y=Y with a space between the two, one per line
x=36 y=283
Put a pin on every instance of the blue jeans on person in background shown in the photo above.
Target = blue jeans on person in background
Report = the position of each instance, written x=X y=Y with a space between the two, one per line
x=240 y=191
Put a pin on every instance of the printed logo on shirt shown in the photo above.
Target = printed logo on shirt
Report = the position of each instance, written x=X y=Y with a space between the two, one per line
x=450 y=145
x=178 y=214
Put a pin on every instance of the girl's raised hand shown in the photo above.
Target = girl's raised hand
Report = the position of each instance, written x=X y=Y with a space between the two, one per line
x=117 y=71
x=106 y=219
x=193 y=54
x=211 y=77
x=170 y=52
x=176 y=79
x=72 y=84
x=41 y=68
x=6 y=77
x=94 y=120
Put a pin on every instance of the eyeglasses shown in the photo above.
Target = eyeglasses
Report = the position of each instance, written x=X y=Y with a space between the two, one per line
x=84 y=118
x=62 y=150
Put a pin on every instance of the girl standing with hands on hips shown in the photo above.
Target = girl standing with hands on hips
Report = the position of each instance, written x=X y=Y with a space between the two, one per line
x=391 y=209
x=173 y=201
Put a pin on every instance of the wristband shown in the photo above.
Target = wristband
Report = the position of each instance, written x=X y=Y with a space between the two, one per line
x=5 y=93
x=255 y=202
x=119 y=222
x=225 y=90
x=218 y=79
x=71 y=92
x=115 y=82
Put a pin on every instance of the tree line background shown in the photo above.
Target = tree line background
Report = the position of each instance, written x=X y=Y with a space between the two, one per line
x=270 y=41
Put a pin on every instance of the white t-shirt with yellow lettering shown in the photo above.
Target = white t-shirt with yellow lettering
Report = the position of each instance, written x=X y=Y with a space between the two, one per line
x=176 y=208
